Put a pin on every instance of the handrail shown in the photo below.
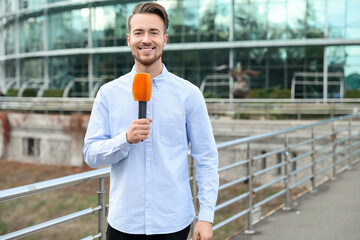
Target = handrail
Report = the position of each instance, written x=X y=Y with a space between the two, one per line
x=27 y=190
x=344 y=149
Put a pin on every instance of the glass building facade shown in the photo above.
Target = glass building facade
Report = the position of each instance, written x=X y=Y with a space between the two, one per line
x=75 y=46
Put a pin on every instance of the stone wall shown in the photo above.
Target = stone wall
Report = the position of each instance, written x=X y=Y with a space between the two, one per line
x=45 y=139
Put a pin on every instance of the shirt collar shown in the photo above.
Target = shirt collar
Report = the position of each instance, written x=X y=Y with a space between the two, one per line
x=158 y=81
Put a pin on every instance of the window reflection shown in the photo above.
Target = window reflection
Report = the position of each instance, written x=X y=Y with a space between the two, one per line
x=32 y=32
x=68 y=29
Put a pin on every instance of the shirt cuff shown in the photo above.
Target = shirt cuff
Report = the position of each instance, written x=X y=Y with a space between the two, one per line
x=122 y=142
x=206 y=215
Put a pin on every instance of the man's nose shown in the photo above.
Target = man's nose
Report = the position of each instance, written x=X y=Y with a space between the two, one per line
x=146 y=38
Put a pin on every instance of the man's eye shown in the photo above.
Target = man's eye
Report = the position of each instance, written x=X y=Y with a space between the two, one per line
x=137 y=33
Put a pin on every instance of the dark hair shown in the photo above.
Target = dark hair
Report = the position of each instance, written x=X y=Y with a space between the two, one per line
x=153 y=8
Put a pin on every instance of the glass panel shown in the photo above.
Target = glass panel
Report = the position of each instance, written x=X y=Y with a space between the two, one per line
x=64 y=69
x=353 y=19
x=68 y=29
x=222 y=20
x=10 y=67
x=276 y=20
x=109 y=26
x=352 y=67
x=32 y=71
x=353 y=33
x=31 y=31
x=336 y=14
x=296 y=11
x=207 y=16
x=108 y=67
x=9 y=35
x=315 y=18
x=176 y=28
x=24 y=4
x=191 y=20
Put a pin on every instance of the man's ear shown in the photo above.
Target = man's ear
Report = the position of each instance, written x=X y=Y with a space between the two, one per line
x=165 y=39
x=128 y=39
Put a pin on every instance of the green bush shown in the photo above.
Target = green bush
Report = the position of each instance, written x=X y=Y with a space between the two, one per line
x=354 y=93
x=210 y=95
x=29 y=92
x=273 y=92
x=282 y=93
x=12 y=92
x=53 y=93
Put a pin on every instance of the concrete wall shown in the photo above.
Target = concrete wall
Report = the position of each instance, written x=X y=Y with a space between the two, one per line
x=46 y=139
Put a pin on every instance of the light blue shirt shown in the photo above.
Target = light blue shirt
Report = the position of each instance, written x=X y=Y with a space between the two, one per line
x=149 y=181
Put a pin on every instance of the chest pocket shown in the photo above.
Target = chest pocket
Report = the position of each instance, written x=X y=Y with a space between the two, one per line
x=173 y=130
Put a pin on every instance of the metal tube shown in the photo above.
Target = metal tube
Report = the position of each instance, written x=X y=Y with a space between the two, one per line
x=48 y=224
x=249 y=229
x=287 y=175
x=333 y=139
x=27 y=190
x=350 y=145
x=313 y=168
x=101 y=201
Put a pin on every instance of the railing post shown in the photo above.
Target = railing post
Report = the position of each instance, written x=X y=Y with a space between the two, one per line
x=287 y=175
x=333 y=138
x=298 y=111
x=267 y=114
x=194 y=192
x=313 y=167
x=101 y=201
x=350 y=145
x=249 y=229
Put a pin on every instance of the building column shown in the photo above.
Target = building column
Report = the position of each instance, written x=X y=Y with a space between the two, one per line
x=45 y=46
x=17 y=45
x=2 y=48
x=90 y=59
x=325 y=74
x=231 y=50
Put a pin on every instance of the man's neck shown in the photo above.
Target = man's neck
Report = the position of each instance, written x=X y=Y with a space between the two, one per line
x=154 y=70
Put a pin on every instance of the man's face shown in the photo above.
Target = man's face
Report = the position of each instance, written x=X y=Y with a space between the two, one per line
x=147 y=38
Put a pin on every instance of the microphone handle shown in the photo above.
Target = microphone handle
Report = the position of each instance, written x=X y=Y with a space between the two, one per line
x=142 y=109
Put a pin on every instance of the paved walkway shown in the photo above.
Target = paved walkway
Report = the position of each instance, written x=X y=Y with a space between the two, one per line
x=333 y=213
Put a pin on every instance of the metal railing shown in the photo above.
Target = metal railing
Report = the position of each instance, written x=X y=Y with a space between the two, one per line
x=335 y=151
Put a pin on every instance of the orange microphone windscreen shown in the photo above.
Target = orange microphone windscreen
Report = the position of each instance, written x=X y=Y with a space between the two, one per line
x=142 y=87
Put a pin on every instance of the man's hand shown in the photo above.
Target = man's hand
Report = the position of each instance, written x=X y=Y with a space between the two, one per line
x=203 y=231
x=139 y=130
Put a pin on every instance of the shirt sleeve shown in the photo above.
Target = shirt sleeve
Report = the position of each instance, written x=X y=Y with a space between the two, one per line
x=99 y=148
x=204 y=151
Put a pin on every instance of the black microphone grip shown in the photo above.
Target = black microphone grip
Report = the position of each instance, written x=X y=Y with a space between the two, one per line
x=142 y=109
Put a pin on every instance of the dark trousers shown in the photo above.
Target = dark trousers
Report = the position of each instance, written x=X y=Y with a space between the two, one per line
x=113 y=234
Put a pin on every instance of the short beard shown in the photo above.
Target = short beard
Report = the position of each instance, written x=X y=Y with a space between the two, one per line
x=147 y=62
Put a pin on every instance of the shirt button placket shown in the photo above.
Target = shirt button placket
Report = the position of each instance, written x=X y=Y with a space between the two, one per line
x=148 y=175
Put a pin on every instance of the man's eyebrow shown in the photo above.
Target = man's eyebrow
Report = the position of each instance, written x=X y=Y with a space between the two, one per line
x=142 y=30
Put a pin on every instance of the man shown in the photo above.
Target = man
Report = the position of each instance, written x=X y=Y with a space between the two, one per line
x=150 y=196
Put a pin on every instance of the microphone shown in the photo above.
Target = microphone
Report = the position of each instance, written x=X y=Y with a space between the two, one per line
x=141 y=89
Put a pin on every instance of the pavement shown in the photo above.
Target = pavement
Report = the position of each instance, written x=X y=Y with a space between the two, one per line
x=333 y=213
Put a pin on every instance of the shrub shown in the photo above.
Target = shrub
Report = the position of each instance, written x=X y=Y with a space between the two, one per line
x=354 y=93
x=12 y=92
x=53 y=93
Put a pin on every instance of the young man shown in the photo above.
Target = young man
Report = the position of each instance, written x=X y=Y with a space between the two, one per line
x=150 y=196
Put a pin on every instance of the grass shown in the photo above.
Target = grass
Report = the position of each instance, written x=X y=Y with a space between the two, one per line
x=28 y=211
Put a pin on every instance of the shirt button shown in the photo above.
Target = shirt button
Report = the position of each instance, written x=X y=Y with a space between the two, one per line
x=148 y=159
x=148 y=182
x=147 y=206
x=148 y=112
